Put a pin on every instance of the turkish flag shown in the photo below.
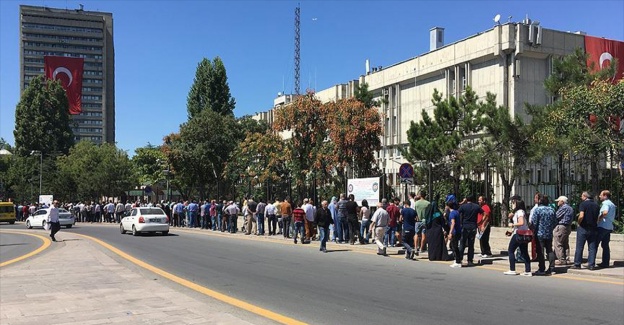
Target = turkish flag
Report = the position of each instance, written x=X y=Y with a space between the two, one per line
x=69 y=72
x=602 y=51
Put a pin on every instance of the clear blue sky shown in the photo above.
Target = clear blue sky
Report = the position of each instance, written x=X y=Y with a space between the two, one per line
x=159 y=43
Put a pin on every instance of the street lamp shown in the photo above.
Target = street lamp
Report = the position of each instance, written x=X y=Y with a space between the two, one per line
x=38 y=152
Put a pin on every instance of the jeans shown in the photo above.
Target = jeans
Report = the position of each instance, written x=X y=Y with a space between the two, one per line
x=467 y=239
x=204 y=222
x=604 y=236
x=286 y=226
x=390 y=238
x=323 y=232
x=192 y=219
x=484 y=242
x=524 y=249
x=541 y=245
x=337 y=230
x=272 y=224
x=408 y=240
x=585 y=235
x=260 y=224
x=364 y=230
x=299 y=229
x=215 y=222
x=561 y=242
x=344 y=226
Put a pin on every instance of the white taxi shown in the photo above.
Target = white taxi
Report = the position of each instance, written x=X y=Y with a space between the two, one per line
x=145 y=220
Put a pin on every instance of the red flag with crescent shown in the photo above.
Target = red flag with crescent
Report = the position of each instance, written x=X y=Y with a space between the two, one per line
x=69 y=72
x=602 y=53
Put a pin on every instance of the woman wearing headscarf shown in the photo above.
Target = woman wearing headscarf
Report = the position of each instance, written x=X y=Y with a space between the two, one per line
x=435 y=232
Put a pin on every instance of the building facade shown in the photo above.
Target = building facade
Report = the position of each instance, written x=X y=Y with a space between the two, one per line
x=510 y=60
x=81 y=34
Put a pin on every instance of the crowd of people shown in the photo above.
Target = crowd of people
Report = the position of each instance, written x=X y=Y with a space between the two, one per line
x=416 y=224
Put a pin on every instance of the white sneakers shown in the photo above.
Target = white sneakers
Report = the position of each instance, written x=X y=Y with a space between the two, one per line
x=510 y=273
x=455 y=265
x=527 y=274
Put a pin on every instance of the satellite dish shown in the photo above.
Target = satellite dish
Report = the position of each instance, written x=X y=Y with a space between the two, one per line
x=497 y=18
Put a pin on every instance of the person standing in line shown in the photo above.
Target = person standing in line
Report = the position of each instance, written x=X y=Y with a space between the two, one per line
x=379 y=223
x=250 y=222
x=468 y=213
x=333 y=209
x=394 y=214
x=408 y=217
x=421 y=206
x=605 y=227
x=310 y=230
x=232 y=212
x=286 y=211
x=518 y=222
x=561 y=234
x=298 y=218
x=323 y=219
x=352 y=220
x=212 y=214
x=544 y=220
x=278 y=214
x=270 y=214
x=193 y=209
x=483 y=224
x=365 y=216
x=120 y=208
x=454 y=233
x=342 y=219
x=260 y=216
x=53 y=220
x=586 y=231
x=203 y=215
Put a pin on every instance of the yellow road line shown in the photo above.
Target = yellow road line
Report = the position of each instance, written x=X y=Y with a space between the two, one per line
x=46 y=244
x=214 y=294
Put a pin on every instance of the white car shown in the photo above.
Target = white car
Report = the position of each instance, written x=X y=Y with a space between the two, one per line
x=150 y=220
x=39 y=218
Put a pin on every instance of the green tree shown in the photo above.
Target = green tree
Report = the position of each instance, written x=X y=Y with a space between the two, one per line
x=149 y=164
x=210 y=89
x=443 y=141
x=366 y=97
x=42 y=119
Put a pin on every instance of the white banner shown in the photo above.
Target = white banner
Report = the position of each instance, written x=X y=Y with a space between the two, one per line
x=47 y=199
x=364 y=188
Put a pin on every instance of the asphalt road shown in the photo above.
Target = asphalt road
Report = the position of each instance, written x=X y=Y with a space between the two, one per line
x=349 y=287
x=15 y=245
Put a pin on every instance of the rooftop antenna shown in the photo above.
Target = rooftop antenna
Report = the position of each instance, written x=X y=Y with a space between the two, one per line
x=497 y=19
x=509 y=19
x=297 y=48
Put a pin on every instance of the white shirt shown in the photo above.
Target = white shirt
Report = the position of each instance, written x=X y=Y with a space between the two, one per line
x=380 y=217
x=309 y=211
x=269 y=210
x=365 y=213
x=54 y=214
x=518 y=215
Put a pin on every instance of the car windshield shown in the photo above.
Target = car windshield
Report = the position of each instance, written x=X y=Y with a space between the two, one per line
x=156 y=211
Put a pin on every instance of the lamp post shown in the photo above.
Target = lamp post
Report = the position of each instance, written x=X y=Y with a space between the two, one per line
x=38 y=152
x=167 y=172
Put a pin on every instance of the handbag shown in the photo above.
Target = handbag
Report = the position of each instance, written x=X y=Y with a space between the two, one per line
x=524 y=236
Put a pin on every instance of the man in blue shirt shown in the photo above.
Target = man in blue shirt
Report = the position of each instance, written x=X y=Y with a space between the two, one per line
x=193 y=208
x=544 y=221
x=468 y=213
x=605 y=226
x=561 y=234
x=586 y=231
x=408 y=217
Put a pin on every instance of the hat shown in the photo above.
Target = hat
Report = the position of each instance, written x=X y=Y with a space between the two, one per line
x=450 y=198
x=562 y=198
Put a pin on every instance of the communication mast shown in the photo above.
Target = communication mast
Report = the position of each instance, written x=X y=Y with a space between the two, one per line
x=297 y=48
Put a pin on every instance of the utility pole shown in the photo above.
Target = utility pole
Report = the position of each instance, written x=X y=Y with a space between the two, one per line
x=297 y=48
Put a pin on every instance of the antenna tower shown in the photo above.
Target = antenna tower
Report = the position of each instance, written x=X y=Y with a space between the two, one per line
x=297 y=48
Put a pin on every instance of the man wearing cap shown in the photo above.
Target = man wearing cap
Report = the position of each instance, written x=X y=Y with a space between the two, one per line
x=561 y=234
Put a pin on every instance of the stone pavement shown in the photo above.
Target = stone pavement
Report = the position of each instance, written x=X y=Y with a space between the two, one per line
x=77 y=281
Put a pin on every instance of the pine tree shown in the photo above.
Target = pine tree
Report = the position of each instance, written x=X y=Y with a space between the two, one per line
x=210 y=89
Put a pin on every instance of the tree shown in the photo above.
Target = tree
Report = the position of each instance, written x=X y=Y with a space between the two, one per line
x=149 y=164
x=354 y=130
x=366 y=97
x=210 y=89
x=305 y=119
x=443 y=141
x=42 y=119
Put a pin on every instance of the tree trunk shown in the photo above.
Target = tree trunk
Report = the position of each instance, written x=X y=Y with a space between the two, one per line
x=595 y=182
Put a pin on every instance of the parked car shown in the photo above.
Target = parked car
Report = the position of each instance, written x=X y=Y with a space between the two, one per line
x=40 y=217
x=149 y=220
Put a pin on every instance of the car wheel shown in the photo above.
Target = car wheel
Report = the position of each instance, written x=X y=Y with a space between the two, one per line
x=28 y=224
x=68 y=226
x=134 y=231
x=121 y=229
x=165 y=233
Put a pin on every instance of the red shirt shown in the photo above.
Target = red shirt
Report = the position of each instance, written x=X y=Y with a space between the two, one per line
x=298 y=214
x=486 y=210
x=393 y=212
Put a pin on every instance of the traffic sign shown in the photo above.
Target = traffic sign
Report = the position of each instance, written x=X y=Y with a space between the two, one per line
x=406 y=171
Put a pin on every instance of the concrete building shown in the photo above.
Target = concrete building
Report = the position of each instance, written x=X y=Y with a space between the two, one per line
x=510 y=60
x=74 y=33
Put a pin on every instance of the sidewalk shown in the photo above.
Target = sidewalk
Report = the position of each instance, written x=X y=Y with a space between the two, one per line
x=77 y=282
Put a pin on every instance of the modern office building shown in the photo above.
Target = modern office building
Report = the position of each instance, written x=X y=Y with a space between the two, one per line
x=510 y=60
x=81 y=34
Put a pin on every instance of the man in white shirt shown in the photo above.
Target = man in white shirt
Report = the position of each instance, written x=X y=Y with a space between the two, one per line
x=379 y=222
x=310 y=229
x=53 y=220
x=270 y=214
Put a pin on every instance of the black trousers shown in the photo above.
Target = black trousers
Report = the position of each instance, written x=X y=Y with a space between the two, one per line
x=272 y=224
x=54 y=228
x=354 y=229
x=484 y=242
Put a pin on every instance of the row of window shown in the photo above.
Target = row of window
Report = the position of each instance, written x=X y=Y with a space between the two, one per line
x=69 y=55
x=95 y=89
x=90 y=138
x=64 y=46
x=62 y=28
x=91 y=73
x=91 y=97
x=90 y=105
x=87 y=130
x=64 y=37
x=86 y=64
x=90 y=122
x=84 y=73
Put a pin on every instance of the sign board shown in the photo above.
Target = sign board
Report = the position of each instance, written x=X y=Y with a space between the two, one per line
x=364 y=188
x=46 y=199
x=406 y=172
